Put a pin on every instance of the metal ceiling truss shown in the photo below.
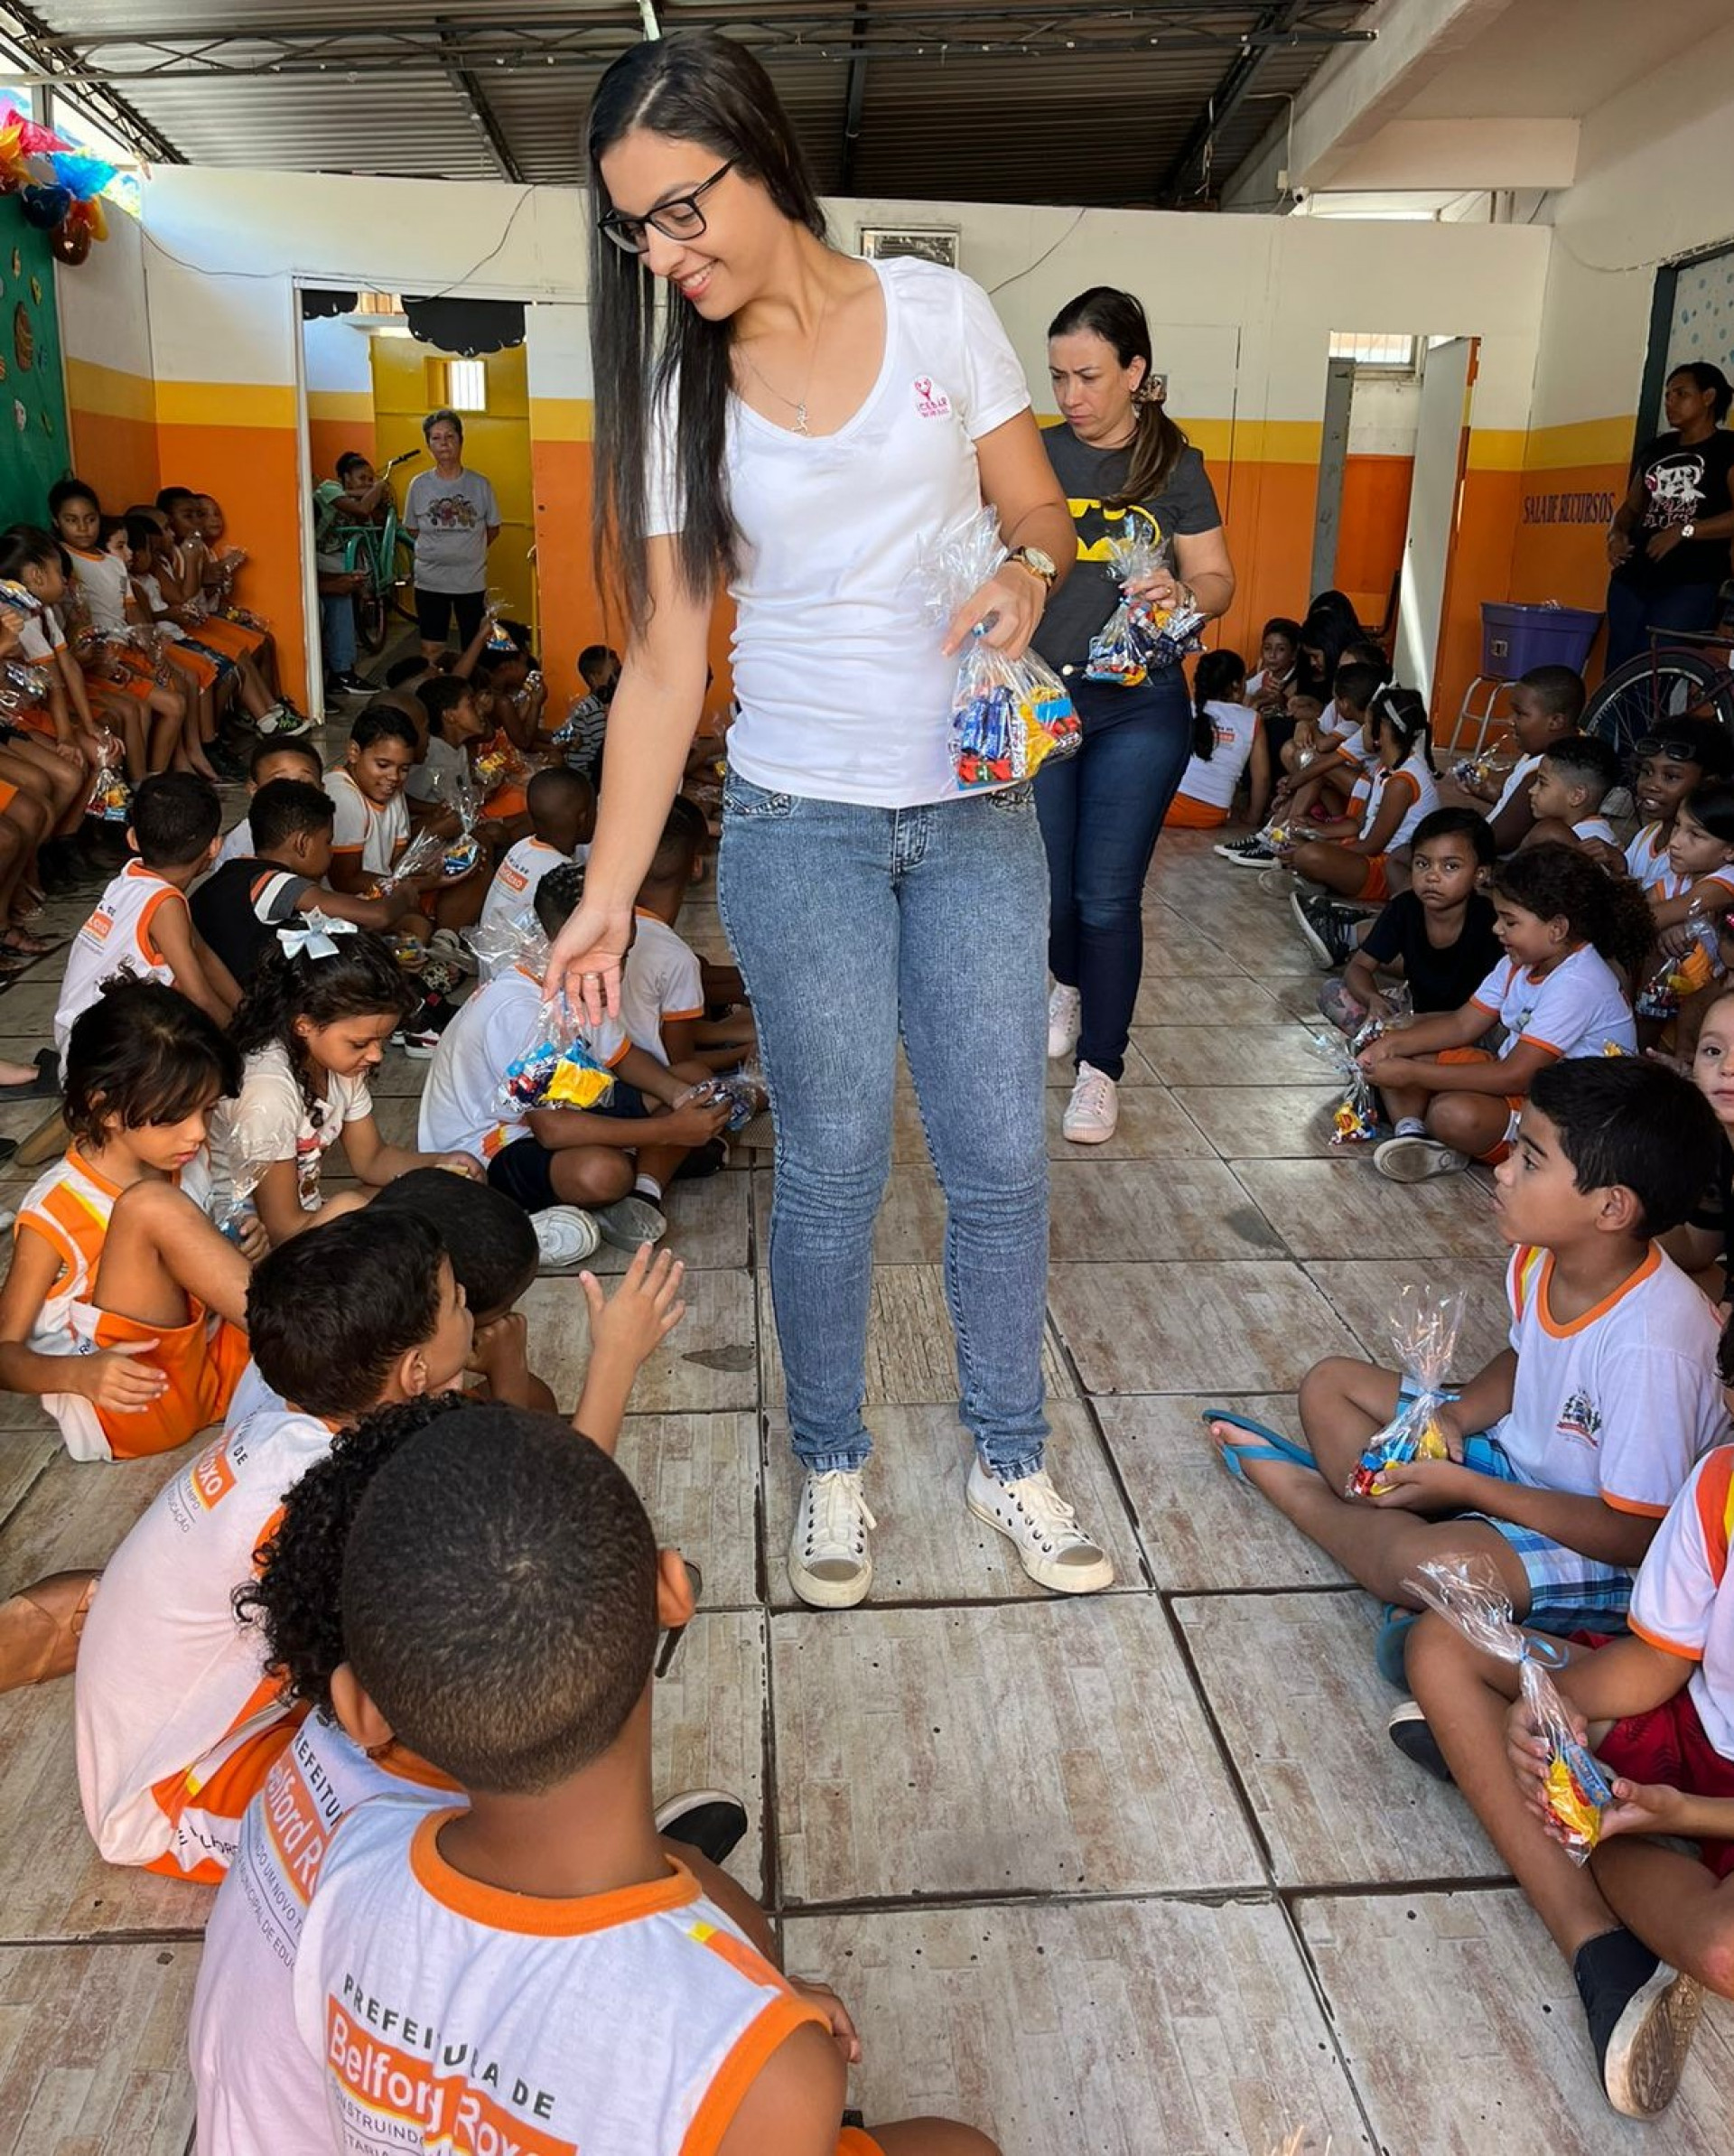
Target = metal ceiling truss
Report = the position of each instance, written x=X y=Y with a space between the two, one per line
x=789 y=30
x=1276 y=25
x=463 y=79
x=29 y=35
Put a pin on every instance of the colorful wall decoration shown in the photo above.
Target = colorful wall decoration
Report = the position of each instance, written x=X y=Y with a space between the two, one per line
x=33 y=451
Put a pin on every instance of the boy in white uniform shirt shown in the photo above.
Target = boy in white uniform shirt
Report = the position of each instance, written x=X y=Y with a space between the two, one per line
x=372 y=818
x=549 y=1156
x=271 y=758
x=662 y=992
x=1571 y=781
x=562 y=807
x=1572 y=1443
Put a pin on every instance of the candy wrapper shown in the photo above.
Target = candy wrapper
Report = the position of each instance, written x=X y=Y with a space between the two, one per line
x=420 y=857
x=1136 y=642
x=516 y=940
x=1469 y=1593
x=1355 y=1120
x=1424 y=1332
x=1486 y=765
x=111 y=798
x=1008 y=716
x=1683 y=974
x=744 y=1090
x=558 y=1070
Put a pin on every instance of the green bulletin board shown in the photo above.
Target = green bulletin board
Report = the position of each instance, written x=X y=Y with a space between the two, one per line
x=32 y=384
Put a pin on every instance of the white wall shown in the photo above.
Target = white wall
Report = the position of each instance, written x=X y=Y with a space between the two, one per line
x=337 y=356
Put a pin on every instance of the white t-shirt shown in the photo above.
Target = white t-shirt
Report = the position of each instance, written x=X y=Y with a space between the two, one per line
x=1355 y=744
x=513 y=890
x=237 y=844
x=450 y=519
x=117 y=939
x=844 y=693
x=1212 y=779
x=258 y=2088
x=448 y=2015
x=268 y=1121
x=1683 y=1599
x=1522 y=772
x=170 y=1685
x=659 y=981
x=462 y=1110
x=1646 y=855
x=1595 y=827
x=1621 y=1402
x=1414 y=782
x=378 y=835
x=1575 y=1009
x=104 y=585
x=437 y=776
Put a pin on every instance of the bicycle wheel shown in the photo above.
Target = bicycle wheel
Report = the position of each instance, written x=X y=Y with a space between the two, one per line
x=403 y=579
x=1641 y=697
x=370 y=619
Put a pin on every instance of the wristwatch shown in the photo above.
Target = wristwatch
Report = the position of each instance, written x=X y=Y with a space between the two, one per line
x=1686 y=531
x=1038 y=564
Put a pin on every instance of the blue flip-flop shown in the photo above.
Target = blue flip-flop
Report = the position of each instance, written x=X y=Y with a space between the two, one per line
x=1269 y=1444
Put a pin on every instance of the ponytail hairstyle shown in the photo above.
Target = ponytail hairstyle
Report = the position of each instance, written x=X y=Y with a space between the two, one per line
x=1711 y=382
x=362 y=980
x=27 y=547
x=1118 y=319
x=1403 y=710
x=709 y=89
x=1214 y=675
x=1610 y=912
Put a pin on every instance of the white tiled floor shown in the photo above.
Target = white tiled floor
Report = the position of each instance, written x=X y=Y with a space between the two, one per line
x=1140 y=1875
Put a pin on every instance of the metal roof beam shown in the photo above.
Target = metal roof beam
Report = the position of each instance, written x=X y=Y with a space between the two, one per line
x=854 y=100
x=480 y=111
x=31 y=36
x=1273 y=23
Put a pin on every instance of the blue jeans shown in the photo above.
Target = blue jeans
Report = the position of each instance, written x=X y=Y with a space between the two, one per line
x=1101 y=811
x=854 y=925
x=337 y=631
x=1632 y=615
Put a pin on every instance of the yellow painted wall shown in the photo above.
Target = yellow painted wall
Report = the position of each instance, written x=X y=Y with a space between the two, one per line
x=408 y=384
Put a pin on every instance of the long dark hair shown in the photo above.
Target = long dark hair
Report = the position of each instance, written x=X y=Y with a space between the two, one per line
x=1608 y=911
x=363 y=979
x=1405 y=712
x=1212 y=678
x=705 y=89
x=1118 y=318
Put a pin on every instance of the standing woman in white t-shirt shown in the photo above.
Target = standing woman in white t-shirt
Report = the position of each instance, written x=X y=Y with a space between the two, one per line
x=808 y=424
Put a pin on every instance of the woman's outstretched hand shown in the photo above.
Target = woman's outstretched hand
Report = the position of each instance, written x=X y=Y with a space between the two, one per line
x=1009 y=604
x=586 y=957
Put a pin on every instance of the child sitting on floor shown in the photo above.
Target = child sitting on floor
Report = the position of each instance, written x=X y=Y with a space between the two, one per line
x=141 y=924
x=581 y=735
x=372 y=826
x=1279 y=645
x=177 y=1725
x=240 y=907
x=269 y=759
x=547 y=1156
x=662 y=992
x=1569 y=1447
x=313 y=1028
x=454 y=722
x=1360 y=862
x=1565 y=926
x=125 y=1309
x=563 y=816
x=1645 y=1928
x=257 y=2087
x=1437 y=937
x=501 y=1603
x=1573 y=781
x=1227 y=744
x=1546 y=705
x=1666 y=768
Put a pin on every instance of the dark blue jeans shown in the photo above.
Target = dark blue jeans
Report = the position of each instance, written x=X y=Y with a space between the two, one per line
x=1100 y=813
x=1632 y=615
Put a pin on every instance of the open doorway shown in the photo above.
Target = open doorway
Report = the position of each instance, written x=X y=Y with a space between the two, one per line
x=375 y=366
x=1390 y=485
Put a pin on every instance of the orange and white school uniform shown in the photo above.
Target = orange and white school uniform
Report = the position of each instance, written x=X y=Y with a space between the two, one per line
x=361 y=826
x=1646 y=854
x=69 y=1208
x=447 y=2014
x=177 y=1723
x=660 y=983
x=1595 y=827
x=230 y=640
x=1578 y=1008
x=119 y=938
x=513 y=890
x=41 y=641
x=1209 y=783
x=461 y=1109
x=1414 y=784
x=104 y=585
x=258 y=2087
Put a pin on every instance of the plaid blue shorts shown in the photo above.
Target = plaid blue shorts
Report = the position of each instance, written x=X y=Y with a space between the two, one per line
x=1568 y=1591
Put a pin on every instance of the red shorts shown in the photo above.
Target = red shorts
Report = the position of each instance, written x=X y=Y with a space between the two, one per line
x=1668 y=1745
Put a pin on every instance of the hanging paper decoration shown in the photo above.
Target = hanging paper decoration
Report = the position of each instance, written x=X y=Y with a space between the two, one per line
x=81 y=176
x=60 y=188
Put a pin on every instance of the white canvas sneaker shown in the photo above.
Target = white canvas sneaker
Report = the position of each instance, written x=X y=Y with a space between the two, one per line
x=1093 y=1113
x=830 y=1564
x=1042 y=1528
x=1063 y=1008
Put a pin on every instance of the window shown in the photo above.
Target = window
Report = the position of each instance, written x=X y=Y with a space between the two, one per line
x=463 y=384
x=1396 y=353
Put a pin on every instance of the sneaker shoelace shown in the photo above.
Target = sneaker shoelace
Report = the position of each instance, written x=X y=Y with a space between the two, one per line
x=1047 y=1513
x=1092 y=1095
x=837 y=1514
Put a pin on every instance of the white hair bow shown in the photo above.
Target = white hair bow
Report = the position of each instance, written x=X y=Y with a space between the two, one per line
x=315 y=936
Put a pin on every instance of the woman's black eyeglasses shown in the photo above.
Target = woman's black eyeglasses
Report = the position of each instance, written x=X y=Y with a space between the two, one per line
x=679 y=218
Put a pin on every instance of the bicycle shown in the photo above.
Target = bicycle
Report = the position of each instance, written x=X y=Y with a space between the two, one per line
x=384 y=557
x=1677 y=679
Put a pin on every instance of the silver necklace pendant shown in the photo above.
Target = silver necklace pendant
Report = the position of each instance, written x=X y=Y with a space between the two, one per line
x=800 y=419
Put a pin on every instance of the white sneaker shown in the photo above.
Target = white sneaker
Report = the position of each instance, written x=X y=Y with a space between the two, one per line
x=830 y=1564
x=1415 y=1160
x=1093 y=1113
x=1042 y=1528
x=449 y=947
x=1063 y=1008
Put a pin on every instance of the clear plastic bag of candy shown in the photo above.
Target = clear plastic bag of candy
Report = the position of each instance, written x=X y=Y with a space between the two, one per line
x=420 y=857
x=516 y=940
x=1137 y=640
x=1355 y=1120
x=1008 y=716
x=558 y=1069
x=110 y=798
x=1425 y=1326
x=1681 y=974
x=1469 y=1593
x=744 y=1090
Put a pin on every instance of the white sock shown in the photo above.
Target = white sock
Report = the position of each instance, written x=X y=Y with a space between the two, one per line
x=647 y=1186
x=1412 y=1126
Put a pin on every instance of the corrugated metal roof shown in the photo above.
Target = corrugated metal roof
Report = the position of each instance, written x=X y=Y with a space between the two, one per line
x=940 y=118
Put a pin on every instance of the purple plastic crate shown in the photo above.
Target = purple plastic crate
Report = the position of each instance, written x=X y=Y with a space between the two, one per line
x=1514 y=638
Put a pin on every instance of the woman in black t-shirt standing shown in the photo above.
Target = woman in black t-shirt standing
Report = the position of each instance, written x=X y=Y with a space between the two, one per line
x=1123 y=462
x=1669 y=540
